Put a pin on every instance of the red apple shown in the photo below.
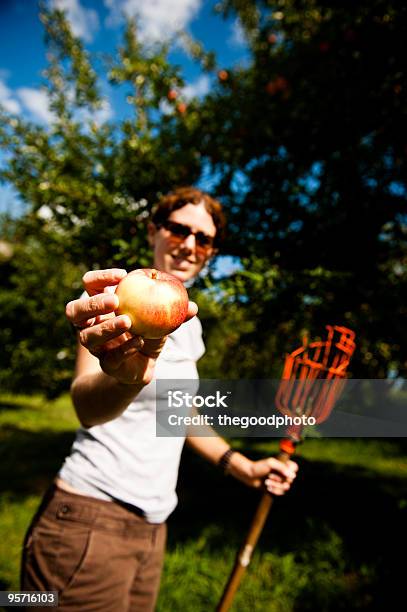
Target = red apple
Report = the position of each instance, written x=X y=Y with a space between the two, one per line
x=156 y=302
x=181 y=108
x=281 y=83
x=172 y=94
x=271 y=88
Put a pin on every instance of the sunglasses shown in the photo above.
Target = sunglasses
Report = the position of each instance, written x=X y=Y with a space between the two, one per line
x=180 y=232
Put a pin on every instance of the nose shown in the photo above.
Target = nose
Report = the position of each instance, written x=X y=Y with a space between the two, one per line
x=189 y=242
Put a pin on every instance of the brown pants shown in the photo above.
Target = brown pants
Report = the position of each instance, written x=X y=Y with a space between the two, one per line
x=98 y=555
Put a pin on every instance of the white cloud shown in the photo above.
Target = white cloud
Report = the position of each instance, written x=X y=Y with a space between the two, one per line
x=197 y=89
x=36 y=101
x=238 y=36
x=166 y=108
x=104 y=113
x=7 y=100
x=158 y=20
x=84 y=22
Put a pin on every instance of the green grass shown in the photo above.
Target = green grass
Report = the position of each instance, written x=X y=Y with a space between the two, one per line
x=330 y=545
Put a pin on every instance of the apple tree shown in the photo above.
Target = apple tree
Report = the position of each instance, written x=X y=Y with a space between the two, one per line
x=309 y=141
x=87 y=184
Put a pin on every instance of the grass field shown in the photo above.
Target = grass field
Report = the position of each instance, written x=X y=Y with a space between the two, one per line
x=330 y=544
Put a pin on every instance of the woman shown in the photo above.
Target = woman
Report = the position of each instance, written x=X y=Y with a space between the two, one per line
x=99 y=536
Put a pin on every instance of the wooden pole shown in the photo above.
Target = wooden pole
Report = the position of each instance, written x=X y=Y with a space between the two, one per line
x=245 y=553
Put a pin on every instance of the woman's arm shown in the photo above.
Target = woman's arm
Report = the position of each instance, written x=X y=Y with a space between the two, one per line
x=98 y=397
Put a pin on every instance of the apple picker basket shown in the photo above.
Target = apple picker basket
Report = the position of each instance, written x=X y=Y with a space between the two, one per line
x=300 y=393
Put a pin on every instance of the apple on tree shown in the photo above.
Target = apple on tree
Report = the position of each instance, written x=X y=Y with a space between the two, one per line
x=172 y=94
x=156 y=302
x=181 y=108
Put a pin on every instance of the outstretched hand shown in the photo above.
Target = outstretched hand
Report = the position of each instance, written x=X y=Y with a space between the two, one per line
x=128 y=358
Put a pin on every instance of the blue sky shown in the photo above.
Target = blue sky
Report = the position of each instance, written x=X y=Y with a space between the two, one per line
x=99 y=23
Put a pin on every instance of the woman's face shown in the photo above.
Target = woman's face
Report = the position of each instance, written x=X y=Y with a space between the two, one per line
x=180 y=255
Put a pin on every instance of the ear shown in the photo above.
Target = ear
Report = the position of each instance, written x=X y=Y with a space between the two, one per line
x=151 y=232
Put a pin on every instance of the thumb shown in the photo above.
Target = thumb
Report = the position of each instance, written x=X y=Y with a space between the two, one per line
x=192 y=311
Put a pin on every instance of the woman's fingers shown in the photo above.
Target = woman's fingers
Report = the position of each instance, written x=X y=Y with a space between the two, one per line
x=277 y=488
x=128 y=364
x=288 y=470
x=83 y=312
x=114 y=358
x=97 y=336
x=281 y=477
x=96 y=281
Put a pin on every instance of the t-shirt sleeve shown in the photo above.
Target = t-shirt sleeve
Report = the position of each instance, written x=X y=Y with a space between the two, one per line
x=185 y=342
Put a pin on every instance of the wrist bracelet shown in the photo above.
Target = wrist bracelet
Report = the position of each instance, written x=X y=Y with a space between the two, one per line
x=224 y=461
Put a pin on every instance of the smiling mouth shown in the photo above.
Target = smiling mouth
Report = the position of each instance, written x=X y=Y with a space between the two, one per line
x=181 y=258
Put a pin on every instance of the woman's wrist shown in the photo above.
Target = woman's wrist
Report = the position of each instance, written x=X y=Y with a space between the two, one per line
x=131 y=384
x=224 y=461
x=237 y=465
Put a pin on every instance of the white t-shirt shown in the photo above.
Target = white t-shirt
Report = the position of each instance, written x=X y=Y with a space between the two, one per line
x=123 y=459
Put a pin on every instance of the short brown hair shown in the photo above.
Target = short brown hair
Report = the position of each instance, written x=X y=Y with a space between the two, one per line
x=190 y=195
